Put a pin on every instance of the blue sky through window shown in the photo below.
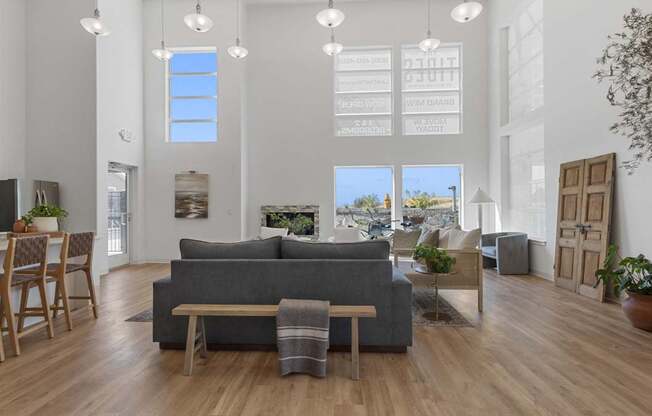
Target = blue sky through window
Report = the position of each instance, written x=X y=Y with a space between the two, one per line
x=353 y=182
x=192 y=74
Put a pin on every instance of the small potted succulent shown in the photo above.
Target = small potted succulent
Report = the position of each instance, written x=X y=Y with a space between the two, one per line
x=633 y=275
x=45 y=218
x=435 y=259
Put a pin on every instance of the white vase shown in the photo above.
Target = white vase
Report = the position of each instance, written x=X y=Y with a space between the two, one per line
x=45 y=224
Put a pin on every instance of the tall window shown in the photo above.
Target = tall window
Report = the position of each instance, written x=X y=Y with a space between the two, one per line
x=192 y=96
x=431 y=90
x=526 y=196
x=432 y=194
x=525 y=62
x=363 y=92
x=363 y=195
x=524 y=202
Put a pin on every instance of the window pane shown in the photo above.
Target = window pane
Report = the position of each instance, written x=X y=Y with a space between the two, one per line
x=446 y=79
x=432 y=194
x=363 y=126
x=193 y=86
x=362 y=195
x=431 y=102
x=364 y=60
x=363 y=103
x=193 y=109
x=193 y=132
x=526 y=210
x=363 y=81
x=431 y=124
x=194 y=62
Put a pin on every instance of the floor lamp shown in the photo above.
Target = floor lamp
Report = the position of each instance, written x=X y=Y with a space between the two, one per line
x=480 y=198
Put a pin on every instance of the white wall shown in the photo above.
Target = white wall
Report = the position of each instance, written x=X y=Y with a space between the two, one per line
x=61 y=106
x=120 y=105
x=221 y=160
x=13 y=65
x=291 y=146
x=577 y=115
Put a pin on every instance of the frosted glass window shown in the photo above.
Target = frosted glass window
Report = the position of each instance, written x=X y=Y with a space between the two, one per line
x=526 y=193
x=431 y=99
x=192 y=96
x=363 y=92
x=525 y=62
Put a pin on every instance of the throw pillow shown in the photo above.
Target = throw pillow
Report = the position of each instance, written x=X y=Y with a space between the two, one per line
x=444 y=234
x=406 y=239
x=267 y=232
x=463 y=240
x=429 y=236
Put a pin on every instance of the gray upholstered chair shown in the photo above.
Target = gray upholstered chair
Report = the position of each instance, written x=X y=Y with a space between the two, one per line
x=507 y=252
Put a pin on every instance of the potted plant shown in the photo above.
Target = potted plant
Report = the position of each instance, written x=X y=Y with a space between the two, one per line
x=634 y=276
x=435 y=259
x=45 y=218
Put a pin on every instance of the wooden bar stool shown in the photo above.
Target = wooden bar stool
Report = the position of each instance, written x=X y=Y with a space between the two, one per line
x=74 y=245
x=23 y=252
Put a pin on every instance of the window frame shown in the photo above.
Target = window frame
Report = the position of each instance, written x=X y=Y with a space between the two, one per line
x=460 y=90
x=392 y=114
x=169 y=99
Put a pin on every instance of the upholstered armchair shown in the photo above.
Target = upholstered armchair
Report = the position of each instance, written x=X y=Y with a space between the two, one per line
x=507 y=252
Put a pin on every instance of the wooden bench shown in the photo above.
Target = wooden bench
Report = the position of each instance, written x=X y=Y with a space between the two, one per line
x=196 y=339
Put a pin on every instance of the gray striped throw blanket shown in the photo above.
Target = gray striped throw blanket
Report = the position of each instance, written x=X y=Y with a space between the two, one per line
x=302 y=336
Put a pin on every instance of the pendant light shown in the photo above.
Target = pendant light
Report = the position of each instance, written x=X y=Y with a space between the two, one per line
x=237 y=51
x=332 y=48
x=95 y=25
x=466 y=11
x=162 y=54
x=198 y=22
x=330 y=17
x=429 y=44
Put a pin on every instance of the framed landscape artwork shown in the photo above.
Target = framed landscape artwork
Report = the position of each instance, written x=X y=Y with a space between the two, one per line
x=190 y=195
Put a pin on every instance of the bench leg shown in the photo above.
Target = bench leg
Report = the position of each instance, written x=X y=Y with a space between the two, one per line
x=355 y=350
x=203 y=353
x=190 y=345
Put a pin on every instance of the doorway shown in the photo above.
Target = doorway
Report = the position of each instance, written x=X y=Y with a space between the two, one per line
x=118 y=215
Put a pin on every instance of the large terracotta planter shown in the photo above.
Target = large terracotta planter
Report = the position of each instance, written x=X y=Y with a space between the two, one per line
x=638 y=309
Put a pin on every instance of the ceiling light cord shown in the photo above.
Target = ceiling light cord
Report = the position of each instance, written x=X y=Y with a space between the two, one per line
x=162 y=24
x=428 y=19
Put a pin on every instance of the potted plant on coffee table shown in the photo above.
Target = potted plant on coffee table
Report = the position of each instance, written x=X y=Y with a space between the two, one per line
x=435 y=259
x=633 y=275
x=45 y=218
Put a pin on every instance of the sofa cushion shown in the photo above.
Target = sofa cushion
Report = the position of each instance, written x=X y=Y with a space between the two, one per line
x=404 y=239
x=255 y=249
x=444 y=235
x=489 y=251
x=362 y=250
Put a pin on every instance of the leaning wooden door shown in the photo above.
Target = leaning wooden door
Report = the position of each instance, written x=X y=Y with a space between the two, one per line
x=597 y=203
x=569 y=213
x=584 y=223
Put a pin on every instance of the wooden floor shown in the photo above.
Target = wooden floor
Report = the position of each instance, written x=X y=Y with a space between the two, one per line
x=536 y=350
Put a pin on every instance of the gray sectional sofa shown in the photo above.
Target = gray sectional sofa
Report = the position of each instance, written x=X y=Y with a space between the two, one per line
x=265 y=271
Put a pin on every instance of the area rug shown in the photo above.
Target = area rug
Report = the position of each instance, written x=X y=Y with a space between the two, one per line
x=144 y=316
x=423 y=300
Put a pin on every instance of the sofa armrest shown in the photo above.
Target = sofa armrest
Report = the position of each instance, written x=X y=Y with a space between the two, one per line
x=401 y=308
x=165 y=325
x=512 y=254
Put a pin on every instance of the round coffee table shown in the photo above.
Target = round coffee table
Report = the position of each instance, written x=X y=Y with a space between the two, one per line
x=433 y=279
